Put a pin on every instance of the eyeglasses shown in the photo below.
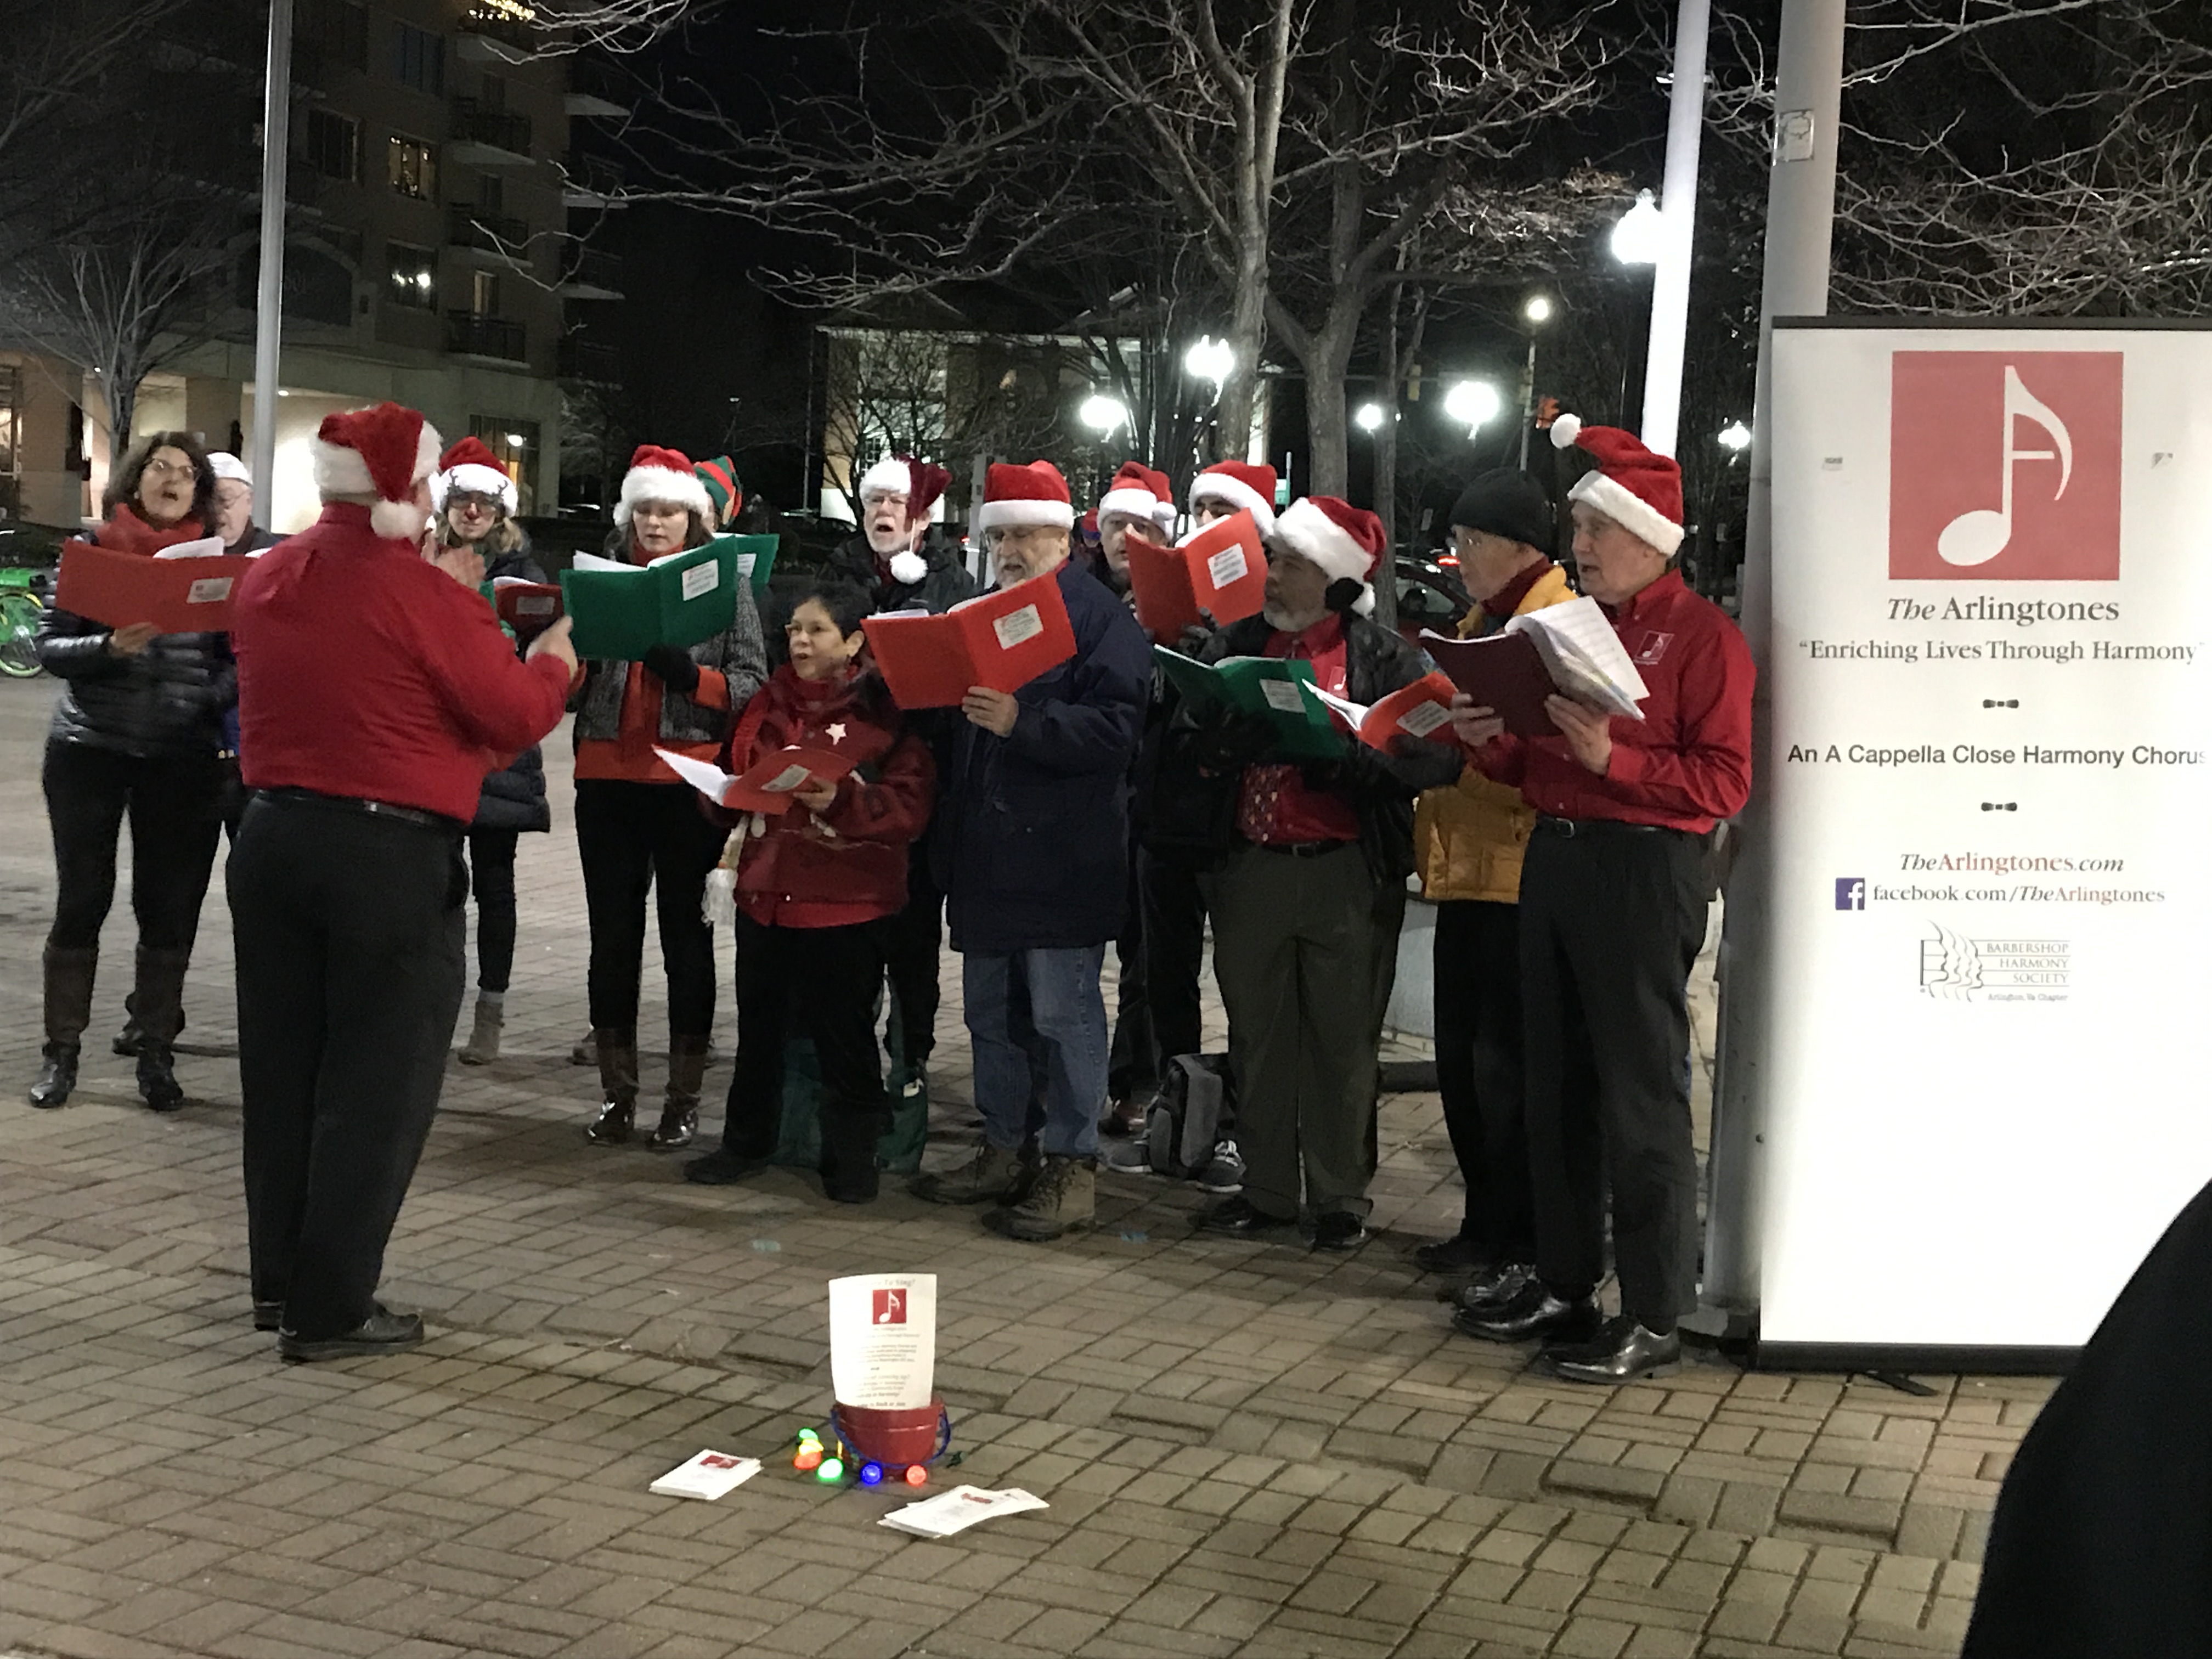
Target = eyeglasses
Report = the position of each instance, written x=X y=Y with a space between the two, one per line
x=463 y=501
x=161 y=469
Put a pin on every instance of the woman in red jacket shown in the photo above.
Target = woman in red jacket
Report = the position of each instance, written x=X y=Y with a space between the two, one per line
x=815 y=885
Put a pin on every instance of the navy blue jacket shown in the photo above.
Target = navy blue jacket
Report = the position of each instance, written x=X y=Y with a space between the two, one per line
x=1032 y=844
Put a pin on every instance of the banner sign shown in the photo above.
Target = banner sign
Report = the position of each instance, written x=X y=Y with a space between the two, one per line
x=1992 y=769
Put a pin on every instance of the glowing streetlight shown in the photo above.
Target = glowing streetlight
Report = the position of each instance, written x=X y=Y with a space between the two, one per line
x=1538 y=309
x=1102 y=414
x=1735 y=436
x=1640 y=238
x=1475 y=403
x=1209 y=359
x=1368 y=418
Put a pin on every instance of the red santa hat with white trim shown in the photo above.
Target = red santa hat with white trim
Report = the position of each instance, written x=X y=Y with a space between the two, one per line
x=1636 y=487
x=1247 y=486
x=470 y=467
x=1344 y=540
x=1035 y=494
x=662 y=475
x=1141 y=493
x=383 y=452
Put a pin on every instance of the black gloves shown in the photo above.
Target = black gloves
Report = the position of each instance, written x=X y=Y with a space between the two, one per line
x=1234 y=744
x=673 y=667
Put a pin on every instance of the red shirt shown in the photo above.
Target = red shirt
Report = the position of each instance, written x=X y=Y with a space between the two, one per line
x=1275 y=807
x=1687 y=761
x=365 y=670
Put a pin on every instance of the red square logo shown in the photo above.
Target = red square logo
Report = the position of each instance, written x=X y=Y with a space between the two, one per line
x=2004 y=466
x=889 y=1307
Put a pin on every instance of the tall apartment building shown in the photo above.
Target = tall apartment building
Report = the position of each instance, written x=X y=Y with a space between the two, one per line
x=429 y=259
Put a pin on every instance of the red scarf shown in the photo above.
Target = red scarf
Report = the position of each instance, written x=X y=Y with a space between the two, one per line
x=124 y=531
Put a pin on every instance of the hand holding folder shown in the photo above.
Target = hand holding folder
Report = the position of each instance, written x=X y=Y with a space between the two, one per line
x=1222 y=571
x=1570 y=649
x=184 y=589
x=1001 y=641
x=622 y=610
x=767 y=785
x=1271 y=689
x=1419 y=710
x=529 y=607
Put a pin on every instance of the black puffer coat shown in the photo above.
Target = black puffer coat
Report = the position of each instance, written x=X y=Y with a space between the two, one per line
x=165 y=703
x=515 y=798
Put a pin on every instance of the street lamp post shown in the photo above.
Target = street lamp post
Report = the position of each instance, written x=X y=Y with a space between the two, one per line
x=1678 y=221
x=1537 y=311
x=268 y=297
x=1475 y=403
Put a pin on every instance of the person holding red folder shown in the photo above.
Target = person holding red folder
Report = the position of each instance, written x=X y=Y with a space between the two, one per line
x=818 y=886
x=137 y=732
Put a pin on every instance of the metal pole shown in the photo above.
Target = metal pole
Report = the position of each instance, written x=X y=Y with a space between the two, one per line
x=1678 y=212
x=1801 y=205
x=1528 y=400
x=268 y=300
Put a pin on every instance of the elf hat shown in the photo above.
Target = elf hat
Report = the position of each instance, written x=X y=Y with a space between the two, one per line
x=1344 y=540
x=662 y=475
x=1139 y=491
x=469 y=466
x=1238 y=485
x=226 y=465
x=719 y=478
x=1636 y=487
x=383 y=452
x=1035 y=494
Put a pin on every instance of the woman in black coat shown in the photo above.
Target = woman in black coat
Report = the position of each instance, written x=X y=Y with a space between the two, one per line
x=137 y=732
x=476 y=501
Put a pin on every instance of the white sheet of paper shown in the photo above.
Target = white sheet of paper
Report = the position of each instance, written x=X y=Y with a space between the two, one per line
x=1354 y=712
x=709 y=779
x=710 y=1475
x=1586 y=657
x=882 y=1340
x=593 y=562
x=207 y=547
x=958 y=1509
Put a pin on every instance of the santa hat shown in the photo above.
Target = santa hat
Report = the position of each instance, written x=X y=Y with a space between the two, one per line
x=719 y=478
x=1239 y=485
x=383 y=452
x=1035 y=494
x=662 y=475
x=1344 y=540
x=1636 y=487
x=224 y=464
x=1139 y=491
x=469 y=466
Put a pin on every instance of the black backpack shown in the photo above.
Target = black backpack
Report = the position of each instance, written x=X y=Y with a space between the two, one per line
x=1188 y=1114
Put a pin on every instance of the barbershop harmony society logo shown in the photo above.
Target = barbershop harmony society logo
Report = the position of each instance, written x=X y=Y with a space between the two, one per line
x=1956 y=968
x=2004 y=466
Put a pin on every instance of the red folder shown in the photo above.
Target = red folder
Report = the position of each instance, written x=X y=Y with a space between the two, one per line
x=1504 y=673
x=766 y=786
x=177 y=596
x=1002 y=641
x=1222 y=570
x=527 y=607
x=1422 y=709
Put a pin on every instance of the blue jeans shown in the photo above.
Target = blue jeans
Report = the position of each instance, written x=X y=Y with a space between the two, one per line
x=1036 y=1023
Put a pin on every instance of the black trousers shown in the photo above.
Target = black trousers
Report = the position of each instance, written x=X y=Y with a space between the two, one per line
x=1479 y=1071
x=633 y=837
x=1174 y=952
x=912 y=944
x=1132 y=1058
x=175 y=809
x=349 y=936
x=1611 y=921
x=820 y=983
x=491 y=878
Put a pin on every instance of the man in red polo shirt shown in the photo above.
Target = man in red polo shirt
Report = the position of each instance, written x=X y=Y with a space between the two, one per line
x=1613 y=912
x=375 y=691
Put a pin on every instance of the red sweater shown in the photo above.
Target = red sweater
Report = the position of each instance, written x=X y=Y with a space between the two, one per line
x=365 y=670
x=848 y=865
x=1687 y=761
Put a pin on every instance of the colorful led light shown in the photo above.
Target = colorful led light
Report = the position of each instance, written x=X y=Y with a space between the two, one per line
x=872 y=1475
x=916 y=1475
x=808 y=1455
x=807 y=1436
x=832 y=1470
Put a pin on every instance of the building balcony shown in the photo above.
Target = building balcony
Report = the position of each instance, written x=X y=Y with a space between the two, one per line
x=497 y=32
x=468 y=335
x=591 y=183
x=589 y=361
x=472 y=230
x=490 y=137
x=594 y=275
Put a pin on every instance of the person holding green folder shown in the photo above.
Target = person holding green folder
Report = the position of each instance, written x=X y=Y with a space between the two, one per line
x=638 y=825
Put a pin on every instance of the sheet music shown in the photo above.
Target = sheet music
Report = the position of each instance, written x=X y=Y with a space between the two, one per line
x=207 y=547
x=1585 y=656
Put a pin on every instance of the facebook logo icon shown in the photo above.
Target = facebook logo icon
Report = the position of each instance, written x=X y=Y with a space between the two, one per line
x=1851 y=893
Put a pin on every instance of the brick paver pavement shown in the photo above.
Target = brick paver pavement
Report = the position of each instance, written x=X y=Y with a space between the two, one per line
x=1254 y=1451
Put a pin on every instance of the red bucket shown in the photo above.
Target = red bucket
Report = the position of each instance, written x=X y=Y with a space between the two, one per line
x=895 y=1438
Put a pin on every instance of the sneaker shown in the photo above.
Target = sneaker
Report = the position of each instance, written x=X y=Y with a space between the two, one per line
x=1128 y=1156
x=1339 y=1229
x=1059 y=1200
x=1224 y=1171
x=993 y=1173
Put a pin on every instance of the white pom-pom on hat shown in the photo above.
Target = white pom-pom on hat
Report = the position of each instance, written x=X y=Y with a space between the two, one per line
x=1565 y=429
x=908 y=568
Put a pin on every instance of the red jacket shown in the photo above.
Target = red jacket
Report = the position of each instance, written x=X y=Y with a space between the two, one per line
x=848 y=865
x=1687 y=761
x=365 y=670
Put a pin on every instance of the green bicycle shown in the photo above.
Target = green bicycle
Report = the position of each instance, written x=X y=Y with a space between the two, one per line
x=20 y=607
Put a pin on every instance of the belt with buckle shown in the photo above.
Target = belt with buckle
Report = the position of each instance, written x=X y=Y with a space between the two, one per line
x=1301 y=849
x=1548 y=825
x=382 y=809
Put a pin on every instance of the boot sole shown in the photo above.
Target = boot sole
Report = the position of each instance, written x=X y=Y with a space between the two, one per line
x=955 y=1201
x=342 y=1347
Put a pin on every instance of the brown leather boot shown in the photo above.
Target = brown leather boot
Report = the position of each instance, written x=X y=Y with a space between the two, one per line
x=679 y=1112
x=68 y=976
x=618 y=1052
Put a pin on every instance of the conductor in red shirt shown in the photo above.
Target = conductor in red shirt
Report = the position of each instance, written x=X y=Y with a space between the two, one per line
x=1613 y=913
x=375 y=692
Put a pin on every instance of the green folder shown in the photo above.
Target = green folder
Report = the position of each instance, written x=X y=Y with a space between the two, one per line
x=622 y=611
x=755 y=557
x=1267 y=686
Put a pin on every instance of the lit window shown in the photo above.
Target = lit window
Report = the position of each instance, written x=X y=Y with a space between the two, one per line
x=414 y=276
x=413 y=167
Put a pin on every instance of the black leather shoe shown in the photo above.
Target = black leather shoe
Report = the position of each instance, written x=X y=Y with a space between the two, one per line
x=57 y=1077
x=1235 y=1217
x=157 y=1078
x=267 y=1315
x=722 y=1168
x=678 y=1126
x=616 y=1120
x=1620 y=1350
x=1534 y=1311
x=1339 y=1229
x=1486 y=1292
x=1452 y=1255
x=382 y=1331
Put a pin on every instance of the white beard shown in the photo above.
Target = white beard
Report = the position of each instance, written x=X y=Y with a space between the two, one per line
x=1284 y=622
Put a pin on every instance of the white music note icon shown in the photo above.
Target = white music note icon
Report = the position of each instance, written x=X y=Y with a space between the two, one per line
x=1978 y=537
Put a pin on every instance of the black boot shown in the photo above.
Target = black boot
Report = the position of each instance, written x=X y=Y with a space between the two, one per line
x=69 y=1010
x=617 y=1055
x=679 y=1112
x=850 y=1174
x=159 y=1003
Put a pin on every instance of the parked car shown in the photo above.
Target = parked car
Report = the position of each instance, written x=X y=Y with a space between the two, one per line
x=1430 y=596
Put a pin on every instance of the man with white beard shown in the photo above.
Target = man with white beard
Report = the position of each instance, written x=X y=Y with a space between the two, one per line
x=896 y=560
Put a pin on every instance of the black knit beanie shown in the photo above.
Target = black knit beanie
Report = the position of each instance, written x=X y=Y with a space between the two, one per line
x=1509 y=503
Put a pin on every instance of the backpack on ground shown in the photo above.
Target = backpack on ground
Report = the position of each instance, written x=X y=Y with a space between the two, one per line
x=1188 y=1114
